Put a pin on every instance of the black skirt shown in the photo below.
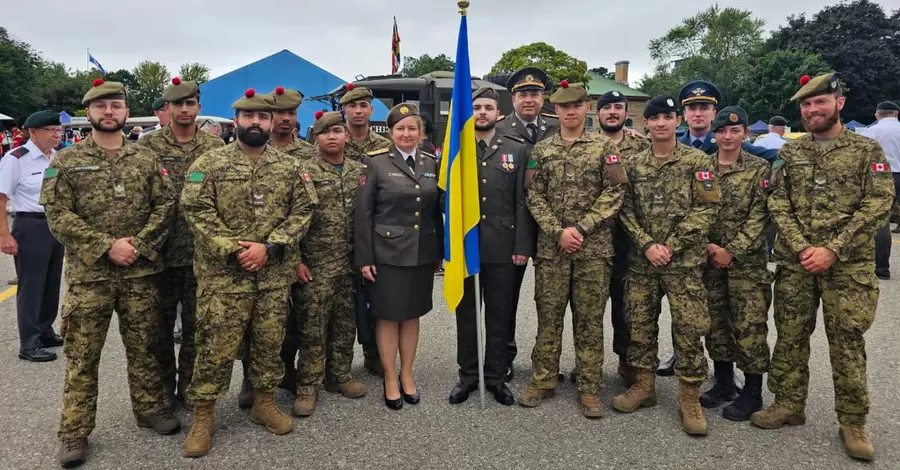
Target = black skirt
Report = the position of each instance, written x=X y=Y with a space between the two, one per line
x=401 y=293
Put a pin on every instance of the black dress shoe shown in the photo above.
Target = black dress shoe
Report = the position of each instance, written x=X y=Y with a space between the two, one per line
x=461 y=392
x=54 y=341
x=411 y=399
x=395 y=403
x=37 y=355
x=667 y=369
x=502 y=394
x=510 y=374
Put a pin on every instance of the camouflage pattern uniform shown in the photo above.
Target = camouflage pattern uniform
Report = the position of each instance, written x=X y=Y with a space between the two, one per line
x=327 y=318
x=178 y=284
x=581 y=185
x=670 y=202
x=92 y=200
x=297 y=148
x=835 y=195
x=227 y=198
x=739 y=295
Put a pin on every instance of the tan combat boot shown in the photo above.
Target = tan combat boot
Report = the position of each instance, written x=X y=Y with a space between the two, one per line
x=591 y=406
x=694 y=423
x=856 y=442
x=72 y=452
x=640 y=395
x=776 y=416
x=350 y=389
x=199 y=440
x=305 y=403
x=532 y=396
x=266 y=413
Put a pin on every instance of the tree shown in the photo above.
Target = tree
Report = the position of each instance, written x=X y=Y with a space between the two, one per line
x=858 y=40
x=151 y=78
x=194 y=71
x=19 y=64
x=559 y=65
x=413 y=67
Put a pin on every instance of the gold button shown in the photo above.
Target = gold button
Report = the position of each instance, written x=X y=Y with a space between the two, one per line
x=418 y=199
x=418 y=187
x=483 y=217
x=387 y=233
x=484 y=181
x=483 y=199
x=417 y=214
x=483 y=163
x=416 y=227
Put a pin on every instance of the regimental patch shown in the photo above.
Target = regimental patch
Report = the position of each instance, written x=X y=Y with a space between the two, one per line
x=19 y=152
x=362 y=180
x=164 y=172
x=50 y=173
x=764 y=183
x=196 y=177
x=704 y=176
x=532 y=164
x=305 y=177
x=881 y=168
x=613 y=159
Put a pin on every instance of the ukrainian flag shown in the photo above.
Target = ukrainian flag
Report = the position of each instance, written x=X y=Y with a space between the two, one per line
x=459 y=180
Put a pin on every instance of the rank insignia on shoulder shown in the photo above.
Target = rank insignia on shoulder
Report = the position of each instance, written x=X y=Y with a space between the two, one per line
x=196 y=177
x=704 y=176
x=164 y=172
x=50 y=173
x=881 y=167
x=377 y=152
x=515 y=138
x=613 y=159
x=19 y=152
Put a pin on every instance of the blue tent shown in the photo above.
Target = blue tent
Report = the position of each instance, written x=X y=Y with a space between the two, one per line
x=759 y=127
x=852 y=125
x=280 y=69
x=64 y=118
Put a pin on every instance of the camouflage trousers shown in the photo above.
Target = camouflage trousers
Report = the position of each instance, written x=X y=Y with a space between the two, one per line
x=222 y=322
x=739 y=300
x=327 y=322
x=690 y=320
x=177 y=285
x=848 y=308
x=583 y=285
x=88 y=309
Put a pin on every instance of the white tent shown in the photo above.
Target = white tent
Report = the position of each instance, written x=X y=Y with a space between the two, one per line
x=4 y=117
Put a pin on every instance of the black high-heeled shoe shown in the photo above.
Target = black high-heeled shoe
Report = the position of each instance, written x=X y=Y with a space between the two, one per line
x=411 y=399
x=394 y=404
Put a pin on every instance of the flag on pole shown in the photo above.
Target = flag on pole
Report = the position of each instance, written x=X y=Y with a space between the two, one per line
x=93 y=63
x=459 y=179
x=395 y=50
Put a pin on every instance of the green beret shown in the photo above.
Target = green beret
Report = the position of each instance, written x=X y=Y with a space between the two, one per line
x=253 y=101
x=486 y=92
x=778 y=121
x=356 y=93
x=158 y=104
x=821 y=85
x=285 y=99
x=887 y=106
x=325 y=121
x=101 y=89
x=41 y=119
x=569 y=93
x=402 y=110
x=729 y=116
x=180 y=90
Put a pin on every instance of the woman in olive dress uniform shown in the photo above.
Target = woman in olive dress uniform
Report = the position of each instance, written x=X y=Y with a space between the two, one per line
x=399 y=244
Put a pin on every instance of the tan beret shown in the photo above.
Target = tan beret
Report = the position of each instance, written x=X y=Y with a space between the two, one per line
x=101 y=89
x=253 y=101
x=401 y=111
x=821 y=85
x=325 y=121
x=286 y=99
x=569 y=93
x=179 y=90
x=356 y=93
x=486 y=92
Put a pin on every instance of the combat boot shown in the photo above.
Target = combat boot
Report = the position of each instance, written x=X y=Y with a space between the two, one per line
x=265 y=412
x=373 y=365
x=591 y=406
x=724 y=390
x=350 y=389
x=199 y=440
x=776 y=416
x=164 y=423
x=640 y=395
x=532 y=396
x=694 y=423
x=305 y=403
x=748 y=403
x=856 y=442
x=72 y=452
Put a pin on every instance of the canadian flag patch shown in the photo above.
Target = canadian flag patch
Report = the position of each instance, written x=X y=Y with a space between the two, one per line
x=613 y=159
x=306 y=177
x=764 y=183
x=704 y=175
x=164 y=172
x=881 y=167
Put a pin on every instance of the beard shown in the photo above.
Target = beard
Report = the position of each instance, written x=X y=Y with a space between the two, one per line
x=99 y=127
x=826 y=125
x=253 y=139
x=612 y=129
x=486 y=127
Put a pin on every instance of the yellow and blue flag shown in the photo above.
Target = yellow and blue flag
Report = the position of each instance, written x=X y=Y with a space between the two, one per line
x=459 y=180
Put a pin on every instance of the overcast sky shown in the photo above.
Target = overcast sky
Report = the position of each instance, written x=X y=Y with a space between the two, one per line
x=353 y=37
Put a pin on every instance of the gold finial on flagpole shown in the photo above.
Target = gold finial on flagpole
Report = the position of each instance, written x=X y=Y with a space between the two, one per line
x=463 y=6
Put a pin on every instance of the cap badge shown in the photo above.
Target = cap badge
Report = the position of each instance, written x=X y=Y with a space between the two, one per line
x=698 y=91
x=529 y=78
x=616 y=94
x=670 y=102
x=404 y=110
x=733 y=117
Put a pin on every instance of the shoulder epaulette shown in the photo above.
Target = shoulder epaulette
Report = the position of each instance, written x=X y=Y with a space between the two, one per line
x=515 y=138
x=502 y=117
x=554 y=116
x=429 y=155
x=19 y=152
x=377 y=152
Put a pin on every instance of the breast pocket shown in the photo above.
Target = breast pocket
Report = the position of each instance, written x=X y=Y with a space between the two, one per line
x=233 y=199
x=505 y=175
x=94 y=181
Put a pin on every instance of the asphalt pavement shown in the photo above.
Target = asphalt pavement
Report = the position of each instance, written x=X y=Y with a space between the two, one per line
x=363 y=433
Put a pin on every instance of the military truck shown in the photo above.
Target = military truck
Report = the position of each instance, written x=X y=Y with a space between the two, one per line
x=430 y=92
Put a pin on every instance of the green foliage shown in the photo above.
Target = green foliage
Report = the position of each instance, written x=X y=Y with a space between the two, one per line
x=151 y=79
x=195 y=72
x=416 y=67
x=18 y=71
x=559 y=65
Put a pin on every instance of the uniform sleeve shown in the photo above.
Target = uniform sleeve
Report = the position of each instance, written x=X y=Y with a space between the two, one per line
x=629 y=220
x=693 y=229
x=609 y=202
x=770 y=155
x=782 y=211
x=199 y=206
x=364 y=212
x=537 y=197
x=872 y=212
x=303 y=202
x=150 y=239
x=524 y=228
x=757 y=221
x=79 y=239
x=9 y=175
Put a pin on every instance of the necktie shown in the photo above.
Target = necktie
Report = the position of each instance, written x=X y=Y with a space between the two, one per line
x=697 y=143
x=532 y=130
x=482 y=148
x=411 y=162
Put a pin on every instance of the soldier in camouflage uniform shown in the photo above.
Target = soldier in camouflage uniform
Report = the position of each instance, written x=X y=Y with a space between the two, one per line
x=107 y=202
x=667 y=211
x=832 y=191
x=738 y=283
x=324 y=296
x=575 y=195
x=248 y=205
x=356 y=104
x=177 y=145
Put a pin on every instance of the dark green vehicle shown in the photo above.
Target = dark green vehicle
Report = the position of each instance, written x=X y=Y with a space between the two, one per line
x=430 y=92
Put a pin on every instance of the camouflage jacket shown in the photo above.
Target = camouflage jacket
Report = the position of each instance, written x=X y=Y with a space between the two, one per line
x=359 y=150
x=176 y=158
x=297 y=148
x=672 y=203
x=631 y=146
x=92 y=200
x=835 y=196
x=227 y=198
x=328 y=246
x=580 y=185
x=741 y=220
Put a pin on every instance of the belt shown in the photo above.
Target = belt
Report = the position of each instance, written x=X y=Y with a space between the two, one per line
x=30 y=215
